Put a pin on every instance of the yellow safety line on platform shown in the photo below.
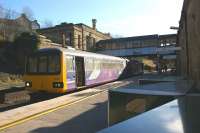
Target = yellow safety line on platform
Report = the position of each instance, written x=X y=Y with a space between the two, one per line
x=45 y=112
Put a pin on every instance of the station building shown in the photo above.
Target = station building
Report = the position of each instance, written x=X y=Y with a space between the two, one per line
x=78 y=36
x=149 y=49
x=138 y=45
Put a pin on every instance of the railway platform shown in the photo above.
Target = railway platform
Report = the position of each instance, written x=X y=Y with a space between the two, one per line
x=84 y=111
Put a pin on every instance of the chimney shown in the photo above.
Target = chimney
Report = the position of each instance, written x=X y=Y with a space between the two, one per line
x=94 y=21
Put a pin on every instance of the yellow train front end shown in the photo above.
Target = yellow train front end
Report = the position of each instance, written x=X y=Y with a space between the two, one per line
x=46 y=71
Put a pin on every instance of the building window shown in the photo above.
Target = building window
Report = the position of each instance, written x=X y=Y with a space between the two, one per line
x=69 y=39
x=94 y=41
x=42 y=66
x=89 y=41
x=79 y=41
x=114 y=46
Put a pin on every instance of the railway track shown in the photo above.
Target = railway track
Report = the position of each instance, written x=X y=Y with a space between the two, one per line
x=18 y=96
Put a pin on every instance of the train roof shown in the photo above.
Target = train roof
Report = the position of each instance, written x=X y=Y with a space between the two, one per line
x=80 y=53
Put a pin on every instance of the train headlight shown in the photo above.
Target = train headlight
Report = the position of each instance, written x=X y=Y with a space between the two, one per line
x=58 y=85
x=28 y=84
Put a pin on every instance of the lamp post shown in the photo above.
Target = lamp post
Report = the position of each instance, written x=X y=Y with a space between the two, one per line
x=174 y=28
x=176 y=62
x=158 y=63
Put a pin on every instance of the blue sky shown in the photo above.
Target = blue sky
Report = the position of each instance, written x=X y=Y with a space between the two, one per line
x=119 y=17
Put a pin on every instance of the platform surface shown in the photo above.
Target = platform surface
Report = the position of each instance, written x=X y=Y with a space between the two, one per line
x=88 y=116
x=175 y=88
x=62 y=116
x=178 y=116
x=14 y=115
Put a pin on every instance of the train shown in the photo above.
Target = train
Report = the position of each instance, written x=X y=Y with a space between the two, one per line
x=133 y=68
x=61 y=70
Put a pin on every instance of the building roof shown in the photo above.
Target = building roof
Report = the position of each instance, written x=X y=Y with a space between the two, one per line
x=128 y=39
x=79 y=25
x=167 y=35
x=7 y=21
x=81 y=53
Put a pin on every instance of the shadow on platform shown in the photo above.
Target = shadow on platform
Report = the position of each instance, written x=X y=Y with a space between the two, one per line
x=90 y=121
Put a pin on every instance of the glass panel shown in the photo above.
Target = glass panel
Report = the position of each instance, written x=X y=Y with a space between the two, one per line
x=54 y=64
x=70 y=71
x=89 y=67
x=89 y=64
x=42 y=64
x=96 y=64
x=45 y=63
x=70 y=66
x=32 y=66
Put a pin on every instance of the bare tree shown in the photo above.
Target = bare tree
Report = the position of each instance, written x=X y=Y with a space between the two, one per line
x=9 y=14
x=47 y=23
x=1 y=12
x=28 y=12
x=6 y=26
x=116 y=36
x=6 y=13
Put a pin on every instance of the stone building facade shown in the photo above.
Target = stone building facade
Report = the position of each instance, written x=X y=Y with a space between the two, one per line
x=79 y=36
x=189 y=41
x=167 y=40
x=9 y=28
x=137 y=42
x=155 y=51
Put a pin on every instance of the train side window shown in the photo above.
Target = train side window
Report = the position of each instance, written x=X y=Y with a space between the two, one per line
x=70 y=64
x=97 y=64
x=42 y=66
x=54 y=64
x=32 y=64
x=89 y=65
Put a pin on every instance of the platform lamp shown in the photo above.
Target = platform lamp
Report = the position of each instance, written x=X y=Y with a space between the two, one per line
x=174 y=27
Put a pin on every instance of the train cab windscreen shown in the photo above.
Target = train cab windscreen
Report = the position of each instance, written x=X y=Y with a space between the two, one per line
x=43 y=64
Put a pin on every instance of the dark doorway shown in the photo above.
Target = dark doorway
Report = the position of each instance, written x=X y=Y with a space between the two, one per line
x=80 y=71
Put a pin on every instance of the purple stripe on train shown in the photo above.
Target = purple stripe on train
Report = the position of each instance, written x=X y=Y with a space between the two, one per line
x=100 y=76
x=92 y=77
x=71 y=81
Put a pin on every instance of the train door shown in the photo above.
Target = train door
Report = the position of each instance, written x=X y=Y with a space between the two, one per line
x=80 y=71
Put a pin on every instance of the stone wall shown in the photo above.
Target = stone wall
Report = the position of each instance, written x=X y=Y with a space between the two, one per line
x=79 y=36
x=189 y=40
x=46 y=43
x=78 y=39
x=56 y=33
x=91 y=37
